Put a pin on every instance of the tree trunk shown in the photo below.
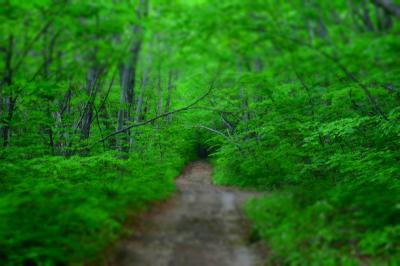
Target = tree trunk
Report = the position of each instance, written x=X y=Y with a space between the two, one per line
x=140 y=98
x=47 y=53
x=169 y=94
x=128 y=78
x=63 y=135
x=159 y=92
x=92 y=86
x=9 y=101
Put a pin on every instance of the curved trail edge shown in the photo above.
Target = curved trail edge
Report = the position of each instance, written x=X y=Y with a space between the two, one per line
x=202 y=225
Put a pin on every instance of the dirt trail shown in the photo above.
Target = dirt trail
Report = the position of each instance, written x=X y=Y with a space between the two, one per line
x=202 y=225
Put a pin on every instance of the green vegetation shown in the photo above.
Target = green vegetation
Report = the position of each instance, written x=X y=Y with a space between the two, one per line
x=56 y=210
x=103 y=102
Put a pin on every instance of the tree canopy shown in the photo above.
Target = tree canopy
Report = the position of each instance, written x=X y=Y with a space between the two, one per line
x=103 y=102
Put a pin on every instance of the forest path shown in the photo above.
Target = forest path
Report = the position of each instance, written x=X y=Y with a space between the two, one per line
x=201 y=225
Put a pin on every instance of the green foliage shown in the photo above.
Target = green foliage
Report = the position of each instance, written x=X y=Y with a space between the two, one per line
x=308 y=129
x=58 y=211
x=304 y=105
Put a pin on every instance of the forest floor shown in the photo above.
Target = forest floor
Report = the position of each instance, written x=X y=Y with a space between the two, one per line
x=201 y=225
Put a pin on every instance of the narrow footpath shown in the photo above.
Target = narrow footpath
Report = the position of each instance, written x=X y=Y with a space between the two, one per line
x=203 y=225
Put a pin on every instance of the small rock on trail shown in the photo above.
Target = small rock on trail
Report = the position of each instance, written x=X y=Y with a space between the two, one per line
x=202 y=225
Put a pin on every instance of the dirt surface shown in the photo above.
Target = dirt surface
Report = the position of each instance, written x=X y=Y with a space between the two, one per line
x=202 y=225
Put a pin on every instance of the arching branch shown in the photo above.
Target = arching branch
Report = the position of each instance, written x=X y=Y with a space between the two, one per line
x=186 y=108
x=228 y=138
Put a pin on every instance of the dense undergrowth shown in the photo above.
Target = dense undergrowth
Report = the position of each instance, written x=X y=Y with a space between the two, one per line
x=331 y=172
x=57 y=211
x=333 y=203
x=332 y=182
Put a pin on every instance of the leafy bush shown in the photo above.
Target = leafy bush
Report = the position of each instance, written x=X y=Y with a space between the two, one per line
x=58 y=211
x=327 y=159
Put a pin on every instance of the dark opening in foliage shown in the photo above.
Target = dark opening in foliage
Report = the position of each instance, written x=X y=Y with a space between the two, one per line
x=202 y=151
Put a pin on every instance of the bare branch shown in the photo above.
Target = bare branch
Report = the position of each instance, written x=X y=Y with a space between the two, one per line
x=221 y=134
x=186 y=108
x=215 y=131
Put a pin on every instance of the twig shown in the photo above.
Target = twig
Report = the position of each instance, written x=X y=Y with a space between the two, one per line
x=221 y=134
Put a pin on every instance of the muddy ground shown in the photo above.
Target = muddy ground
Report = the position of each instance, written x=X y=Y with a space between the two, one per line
x=203 y=225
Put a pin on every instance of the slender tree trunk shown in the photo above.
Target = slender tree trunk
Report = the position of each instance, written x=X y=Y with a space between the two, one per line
x=128 y=78
x=127 y=96
x=127 y=72
x=243 y=95
x=140 y=98
x=47 y=52
x=169 y=95
x=159 y=93
x=64 y=110
x=49 y=128
x=10 y=107
x=92 y=84
x=9 y=100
